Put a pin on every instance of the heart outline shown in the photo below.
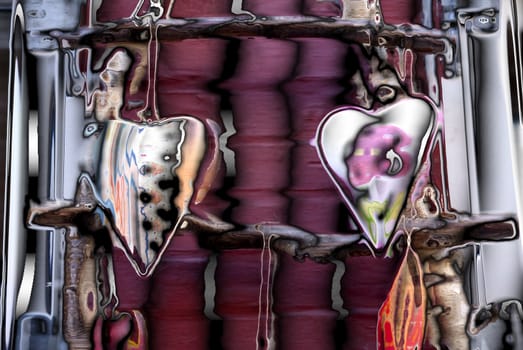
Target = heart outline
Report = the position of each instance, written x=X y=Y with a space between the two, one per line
x=342 y=136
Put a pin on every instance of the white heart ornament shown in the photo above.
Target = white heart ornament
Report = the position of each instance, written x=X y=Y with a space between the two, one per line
x=372 y=157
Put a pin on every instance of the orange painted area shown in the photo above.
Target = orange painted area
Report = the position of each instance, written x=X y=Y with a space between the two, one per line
x=121 y=197
x=401 y=320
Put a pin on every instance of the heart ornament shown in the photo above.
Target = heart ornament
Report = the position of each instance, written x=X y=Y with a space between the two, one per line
x=372 y=157
x=146 y=183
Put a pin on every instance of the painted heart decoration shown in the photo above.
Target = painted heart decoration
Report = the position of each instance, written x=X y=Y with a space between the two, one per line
x=372 y=157
x=146 y=183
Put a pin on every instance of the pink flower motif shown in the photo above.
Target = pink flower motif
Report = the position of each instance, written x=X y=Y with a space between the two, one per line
x=379 y=152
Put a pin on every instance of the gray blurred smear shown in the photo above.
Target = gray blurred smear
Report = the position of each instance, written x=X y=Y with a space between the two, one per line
x=5 y=18
x=5 y=23
x=5 y=5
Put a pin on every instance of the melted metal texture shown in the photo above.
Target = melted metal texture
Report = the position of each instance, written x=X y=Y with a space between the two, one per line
x=386 y=153
x=372 y=157
x=146 y=181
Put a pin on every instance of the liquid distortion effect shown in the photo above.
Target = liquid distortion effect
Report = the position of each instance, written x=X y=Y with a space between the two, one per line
x=373 y=159
x=264 y=175
x=146 y=182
